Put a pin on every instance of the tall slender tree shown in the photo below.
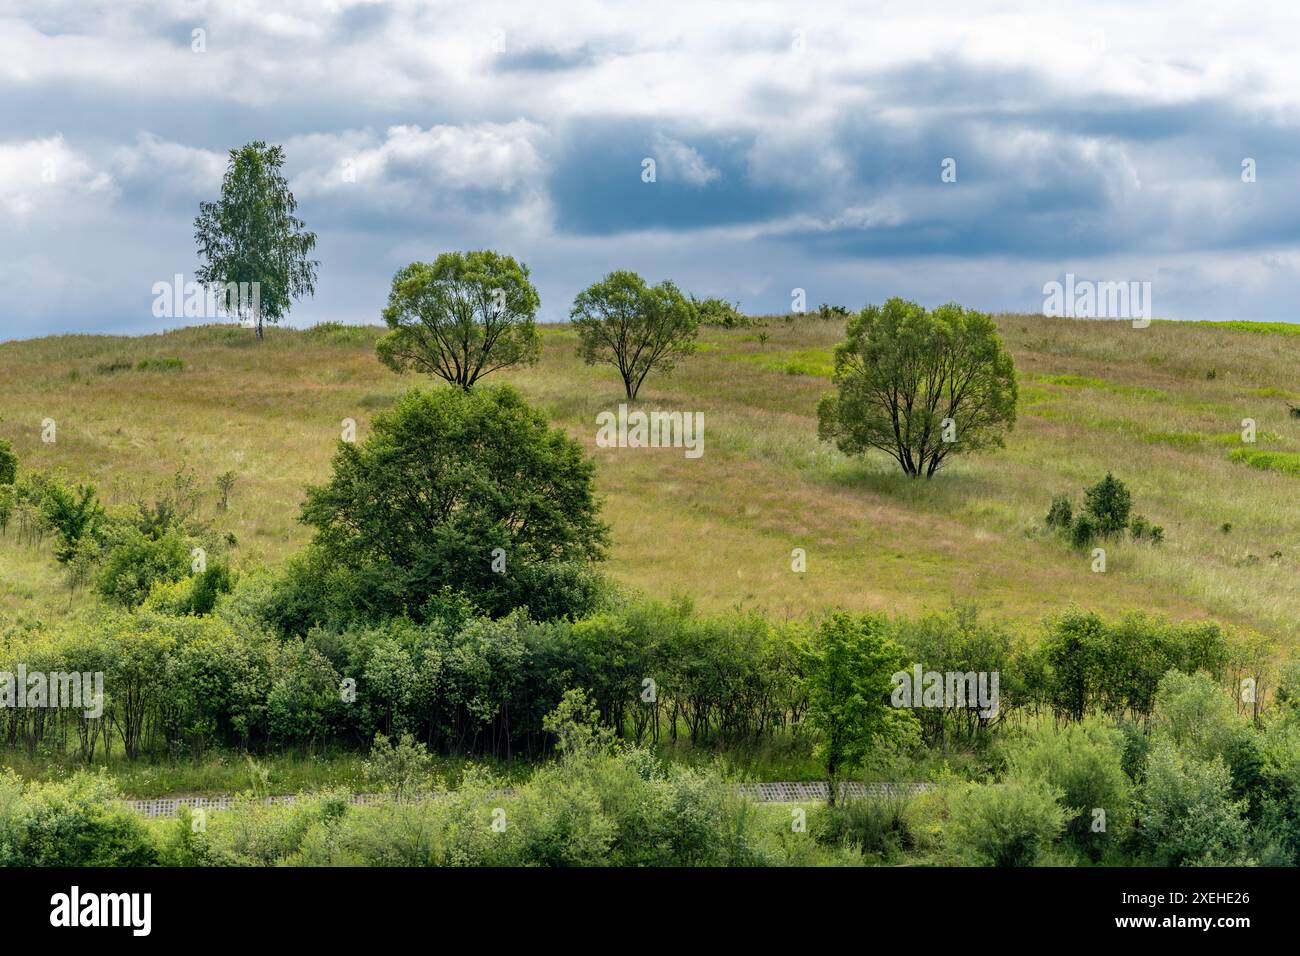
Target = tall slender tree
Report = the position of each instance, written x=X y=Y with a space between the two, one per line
x=250 y=239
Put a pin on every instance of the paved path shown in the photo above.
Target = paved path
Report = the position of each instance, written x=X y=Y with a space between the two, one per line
x=804 y=792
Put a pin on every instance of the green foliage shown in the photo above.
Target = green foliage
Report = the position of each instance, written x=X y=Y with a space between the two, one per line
x=1188 y=815
x=1108 y=503
x=635 y=327
x=720 y=313
x=575 y=722
x=208 y=585
x=444 y=480
x=225 y=484
x=462 y=316
x=1061 y=513
x=1195 y=713
x=1083 y=530
x=960 y=642
x=134 y=562
x=827 y=311
x=877 y=828
x=904 y=370
x=847 y=674
x=8 y=502
x=1004 y=824
x=251 y=235
x=1084 y=761
x=71 y=823
x=400 y=767
x=8 y=463
x=168 y=364
x=1091 y=665
x=73 y=515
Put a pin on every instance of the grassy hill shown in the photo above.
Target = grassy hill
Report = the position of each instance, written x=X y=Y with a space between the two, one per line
x=1160 y=407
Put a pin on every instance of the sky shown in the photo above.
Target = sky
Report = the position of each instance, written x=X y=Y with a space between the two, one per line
x=795 y=146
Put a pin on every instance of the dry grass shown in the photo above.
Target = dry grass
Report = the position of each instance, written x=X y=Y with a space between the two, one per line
x=1096 y=396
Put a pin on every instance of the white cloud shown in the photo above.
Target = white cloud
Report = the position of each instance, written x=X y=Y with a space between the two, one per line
x=676 y=161
x=43 y=175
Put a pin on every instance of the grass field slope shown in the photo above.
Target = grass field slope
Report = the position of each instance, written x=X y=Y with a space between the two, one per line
x=1161 y=407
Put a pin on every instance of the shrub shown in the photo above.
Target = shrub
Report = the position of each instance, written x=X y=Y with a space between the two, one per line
x=70 y=823
x=1085 y=762
x=1004 y=824
x=1083 y=530
x=873 y=827
x=1197 y=716
x=160 y=365
x=1188 y=815
x=8 y=463
x=1108 y=503
x=208 y=584
x=399 y=767
x=721 y=313
x=1061 y=513
x=72 y=515
x=133 y=563
x=833 y=311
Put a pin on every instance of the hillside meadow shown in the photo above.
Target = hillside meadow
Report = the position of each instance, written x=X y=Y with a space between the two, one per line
x=1161 y=407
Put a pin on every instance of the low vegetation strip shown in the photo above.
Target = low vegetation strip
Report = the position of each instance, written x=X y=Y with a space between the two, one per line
x=767 y=792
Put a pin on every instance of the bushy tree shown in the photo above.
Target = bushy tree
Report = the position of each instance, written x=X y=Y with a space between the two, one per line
x=457 y=489
x=1198 y=716
x=635 y=327
x=1061 y=513
x=460 y=317
x=903 y=371
x=251 y=235
x=848 y=670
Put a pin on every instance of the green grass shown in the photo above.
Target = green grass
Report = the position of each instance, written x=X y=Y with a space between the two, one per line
x=223 y=772
x=1096 y=396
x=1255 y=328
x=1286 y=462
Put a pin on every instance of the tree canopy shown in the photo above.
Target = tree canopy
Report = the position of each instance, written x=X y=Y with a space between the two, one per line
x=848 y=671
x=635 y=327
x=920 y=385
x=460 y=317
x=467 y=490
